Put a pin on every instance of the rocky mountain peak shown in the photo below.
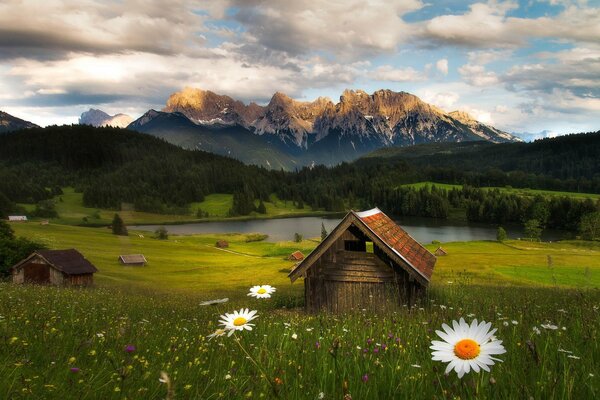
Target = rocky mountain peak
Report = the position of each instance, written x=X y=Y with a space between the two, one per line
x=9 y=123
x=462 y=116
x=96 y=117
x=205 y=107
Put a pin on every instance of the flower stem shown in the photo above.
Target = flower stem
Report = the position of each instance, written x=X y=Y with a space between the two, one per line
x=261 y=369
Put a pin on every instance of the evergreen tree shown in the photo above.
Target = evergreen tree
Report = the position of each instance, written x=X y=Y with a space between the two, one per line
x=118 y=226
x=261 y=209
x=13 y=249
x=297 y=237
x=161 y=233
x=501 y=234
x=323 y=231
x=589 y=227
x=6 y=206
x=532 y=229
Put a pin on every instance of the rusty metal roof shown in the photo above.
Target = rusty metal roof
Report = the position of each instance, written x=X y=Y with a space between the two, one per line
x=399 y=240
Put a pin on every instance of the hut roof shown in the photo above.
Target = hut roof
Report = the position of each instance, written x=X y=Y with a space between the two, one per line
x=297 y=255
x=440 y=252
x=387 y=234
x=69 y=261
x=132 y=259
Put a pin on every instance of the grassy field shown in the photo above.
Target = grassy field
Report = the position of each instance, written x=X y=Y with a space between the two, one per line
x=193 y=263
x=71 y=211
x=517 y=191
x=69 y=343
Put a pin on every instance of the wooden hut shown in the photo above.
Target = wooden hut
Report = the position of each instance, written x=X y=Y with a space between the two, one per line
x=440 y=252
x=222 y=244
x=133 y=260
x=296 y=256
x=55 y=267
x=366 y=262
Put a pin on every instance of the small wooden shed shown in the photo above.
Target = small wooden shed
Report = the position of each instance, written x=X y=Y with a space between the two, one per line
x=296 y=256
x=366 y=262
x=222 y=244
x=56 y=267
x=134 y=260
x=440 y=252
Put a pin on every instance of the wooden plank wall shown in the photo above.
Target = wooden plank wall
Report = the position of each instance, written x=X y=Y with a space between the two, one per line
x=342 y=281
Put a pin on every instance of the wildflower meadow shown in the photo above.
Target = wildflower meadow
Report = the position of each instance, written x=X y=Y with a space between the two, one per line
x=116 y=344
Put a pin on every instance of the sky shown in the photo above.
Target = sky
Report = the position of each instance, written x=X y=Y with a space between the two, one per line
x=522 y=66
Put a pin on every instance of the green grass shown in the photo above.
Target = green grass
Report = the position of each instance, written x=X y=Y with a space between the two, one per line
x=517 y=191
x=193 y=263
x=44 y=331
x=572 y=263
x=71 y=211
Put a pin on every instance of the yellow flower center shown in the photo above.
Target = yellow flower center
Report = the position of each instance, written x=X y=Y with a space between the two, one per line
x=239 y=321
x=261 y=291
x=467 y=349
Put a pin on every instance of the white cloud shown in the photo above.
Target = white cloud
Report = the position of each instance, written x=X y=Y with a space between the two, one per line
x=391 y=74
x=348 y=29
x=443 y=100
x=442 y=66
x=477 y=75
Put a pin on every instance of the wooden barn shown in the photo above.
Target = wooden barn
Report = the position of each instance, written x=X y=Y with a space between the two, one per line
x=440 y=252
x=296 y=256
x=222 y=244
x=134 y=260
x=366 y=262
x=55 y=267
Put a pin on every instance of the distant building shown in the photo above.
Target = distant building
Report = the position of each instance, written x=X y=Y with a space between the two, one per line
x=296 y=256
x=136 y=260
x=366 y=262
x=222 y=244
x=55 y=267
x=17 y=218
x=440 y=252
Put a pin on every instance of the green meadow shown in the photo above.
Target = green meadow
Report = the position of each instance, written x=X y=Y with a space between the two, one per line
x=71 y=211
x=141 y=332
x=516 y=191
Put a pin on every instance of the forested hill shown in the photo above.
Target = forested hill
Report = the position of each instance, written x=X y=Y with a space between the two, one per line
x=112 y=166
x=574 y=157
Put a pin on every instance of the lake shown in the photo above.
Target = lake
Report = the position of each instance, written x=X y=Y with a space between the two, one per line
x=423 y=230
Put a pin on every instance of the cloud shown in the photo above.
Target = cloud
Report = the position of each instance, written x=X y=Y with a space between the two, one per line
x=345 y=29
x=443 y=100
x=487 y=25
x=477 y=75
x=442 y=66
x=391 y=74
x=52 y=29
x=576 y=70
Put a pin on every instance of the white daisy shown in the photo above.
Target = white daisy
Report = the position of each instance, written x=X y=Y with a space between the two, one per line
x=238 y=320
x=217 y=333
x=466 y=347
x=262 y=291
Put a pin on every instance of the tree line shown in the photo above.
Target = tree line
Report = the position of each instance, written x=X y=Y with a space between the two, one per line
x=112 y=166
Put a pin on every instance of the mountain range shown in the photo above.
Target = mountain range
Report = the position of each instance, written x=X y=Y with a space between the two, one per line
x=287 y=133
x=99 y=118
x=8 y=123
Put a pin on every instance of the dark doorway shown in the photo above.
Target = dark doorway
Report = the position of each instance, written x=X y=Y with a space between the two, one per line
x=36 y=273
x=355 y=245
